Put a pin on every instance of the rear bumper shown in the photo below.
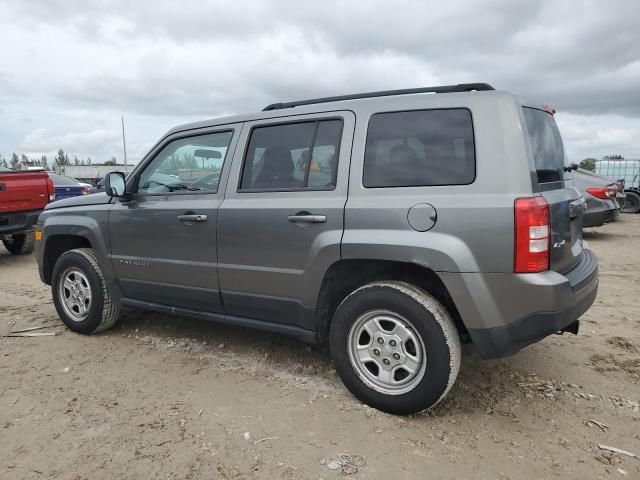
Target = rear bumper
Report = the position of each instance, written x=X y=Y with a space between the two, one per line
x=506 y=312
x=18 y=222
x=599 y=218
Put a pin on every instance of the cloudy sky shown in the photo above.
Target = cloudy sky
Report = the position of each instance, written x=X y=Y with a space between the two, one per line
x=70 y=69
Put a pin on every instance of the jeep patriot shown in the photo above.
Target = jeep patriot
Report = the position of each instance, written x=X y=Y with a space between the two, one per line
x=390 y=225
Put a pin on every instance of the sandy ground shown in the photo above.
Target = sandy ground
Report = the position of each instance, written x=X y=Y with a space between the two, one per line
x=162 y=397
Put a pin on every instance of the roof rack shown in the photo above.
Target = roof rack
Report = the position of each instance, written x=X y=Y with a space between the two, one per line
x=461 y=87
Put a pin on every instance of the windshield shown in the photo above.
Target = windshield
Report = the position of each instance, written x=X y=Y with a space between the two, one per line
x=546 y=143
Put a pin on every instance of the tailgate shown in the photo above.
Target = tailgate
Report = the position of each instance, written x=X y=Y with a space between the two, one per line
x=23 y=191
x=566 y=205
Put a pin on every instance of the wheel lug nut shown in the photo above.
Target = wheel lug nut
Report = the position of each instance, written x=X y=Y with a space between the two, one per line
x=386 y=361
x=380 y=340
x=392 y=343
x=396 y=356
x=376 y=351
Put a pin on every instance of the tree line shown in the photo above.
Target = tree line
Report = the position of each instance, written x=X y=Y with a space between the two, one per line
x=61 y=159
x=590 y=163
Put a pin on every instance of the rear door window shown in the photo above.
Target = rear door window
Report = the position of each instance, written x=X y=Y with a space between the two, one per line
x=546 y=145
x=293 y=156
x=420 y=148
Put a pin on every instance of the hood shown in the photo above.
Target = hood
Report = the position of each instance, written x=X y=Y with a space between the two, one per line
x=80 y=201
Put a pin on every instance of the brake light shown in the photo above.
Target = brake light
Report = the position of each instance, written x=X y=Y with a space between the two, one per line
x=532 y=233
x=602 y=193
x=85 y=190
x=51 y=189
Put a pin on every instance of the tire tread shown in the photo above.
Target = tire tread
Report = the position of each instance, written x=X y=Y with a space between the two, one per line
x=110 y=310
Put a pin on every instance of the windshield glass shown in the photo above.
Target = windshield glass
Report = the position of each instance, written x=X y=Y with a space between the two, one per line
x=546 y=143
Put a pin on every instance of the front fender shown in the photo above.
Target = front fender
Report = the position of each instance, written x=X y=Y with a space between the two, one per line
x=86 y=223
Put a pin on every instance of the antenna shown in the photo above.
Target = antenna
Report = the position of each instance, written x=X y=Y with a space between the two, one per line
x=124 y=145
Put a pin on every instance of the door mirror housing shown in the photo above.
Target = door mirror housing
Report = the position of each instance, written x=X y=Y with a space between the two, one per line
x=115 y=185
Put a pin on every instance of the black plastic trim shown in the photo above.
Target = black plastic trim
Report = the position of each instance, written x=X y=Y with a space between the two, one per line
x=504 y=341
x=308 y=336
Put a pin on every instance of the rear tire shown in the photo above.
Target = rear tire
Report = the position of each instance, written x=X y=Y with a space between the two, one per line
x=80 y=293
x=632 y=203
x=395 y=347
x=20 y=243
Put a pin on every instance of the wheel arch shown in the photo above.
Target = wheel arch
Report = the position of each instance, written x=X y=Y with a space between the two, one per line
x=346 y=275
x=55 y=246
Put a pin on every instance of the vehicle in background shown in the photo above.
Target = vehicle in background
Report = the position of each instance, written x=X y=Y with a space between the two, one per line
x=23 y=195
x=98 y=186
x=628 y=172
x=600 y=197
x=67 y=187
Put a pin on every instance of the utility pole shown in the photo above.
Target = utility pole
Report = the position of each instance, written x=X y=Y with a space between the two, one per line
x=124 y=145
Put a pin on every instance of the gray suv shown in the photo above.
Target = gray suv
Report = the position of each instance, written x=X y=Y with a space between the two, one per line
x=391 y=225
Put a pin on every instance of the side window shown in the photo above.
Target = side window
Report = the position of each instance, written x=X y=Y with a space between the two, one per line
x=419 y=148
x=294 y=156
x=191 y=164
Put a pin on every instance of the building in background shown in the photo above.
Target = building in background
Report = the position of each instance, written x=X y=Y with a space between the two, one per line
x=87 y=173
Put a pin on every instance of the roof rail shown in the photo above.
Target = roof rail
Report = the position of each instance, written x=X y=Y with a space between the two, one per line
x=461 y=87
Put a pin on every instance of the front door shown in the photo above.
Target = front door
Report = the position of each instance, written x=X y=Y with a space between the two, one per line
x=163 y=238
x=281 y=222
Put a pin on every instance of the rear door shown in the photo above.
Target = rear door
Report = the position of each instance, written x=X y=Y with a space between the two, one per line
x=282 y=218
x=566 y=204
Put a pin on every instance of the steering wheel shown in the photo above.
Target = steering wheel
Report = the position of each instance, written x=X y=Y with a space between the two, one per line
x=208 y=182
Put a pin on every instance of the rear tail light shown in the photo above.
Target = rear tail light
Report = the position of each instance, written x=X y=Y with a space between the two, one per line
x=85 y=190
x=532 y=233
x=601 y=192
x=51 y=189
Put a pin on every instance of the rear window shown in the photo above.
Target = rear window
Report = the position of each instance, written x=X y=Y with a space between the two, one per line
x=546 y=144
x=419 y=148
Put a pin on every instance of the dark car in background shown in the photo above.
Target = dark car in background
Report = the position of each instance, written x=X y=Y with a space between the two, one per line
x=600 y=195
x=67 y=187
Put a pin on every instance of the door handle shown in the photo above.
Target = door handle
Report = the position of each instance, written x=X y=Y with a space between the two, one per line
x=192 y=218
x=307 y=218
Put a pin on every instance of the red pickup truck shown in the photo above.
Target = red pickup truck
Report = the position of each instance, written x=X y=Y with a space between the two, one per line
x=23 y=195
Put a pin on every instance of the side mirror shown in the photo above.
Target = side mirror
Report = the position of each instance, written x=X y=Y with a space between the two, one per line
x=115 y=185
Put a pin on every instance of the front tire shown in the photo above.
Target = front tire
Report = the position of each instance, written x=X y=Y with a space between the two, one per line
x=395 y=347
x=80 y=293
x=20 y=243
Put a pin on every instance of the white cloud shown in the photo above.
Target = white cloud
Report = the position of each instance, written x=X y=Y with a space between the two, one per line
x=170 y=62
x=97 y=142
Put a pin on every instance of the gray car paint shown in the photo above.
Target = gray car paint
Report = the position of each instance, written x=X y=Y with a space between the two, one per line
x=259 y=269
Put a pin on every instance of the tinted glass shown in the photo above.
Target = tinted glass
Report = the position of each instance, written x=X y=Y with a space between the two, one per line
x=293 y=156
x=190 y=164
x=419 y=148
x=546 y=143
